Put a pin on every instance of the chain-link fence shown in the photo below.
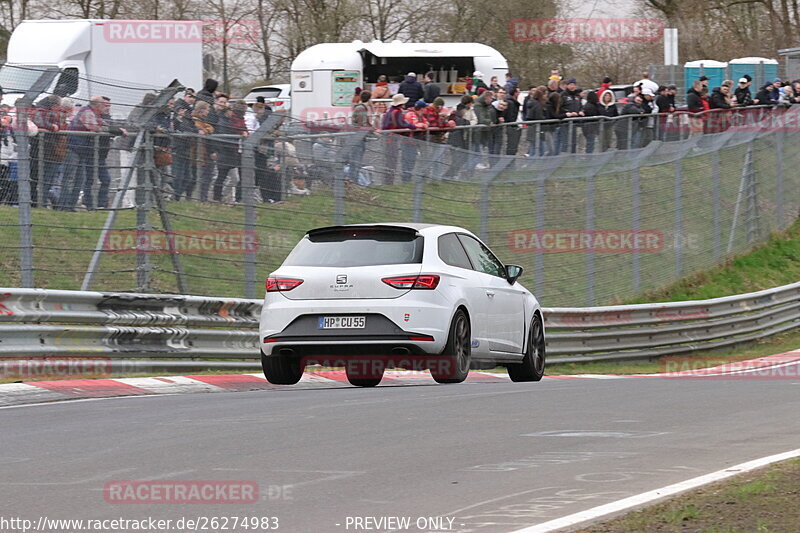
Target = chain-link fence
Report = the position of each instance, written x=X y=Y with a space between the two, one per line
x=168 y=209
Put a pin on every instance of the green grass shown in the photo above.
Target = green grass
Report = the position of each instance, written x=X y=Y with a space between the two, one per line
x=774 y=263
x=764 y=501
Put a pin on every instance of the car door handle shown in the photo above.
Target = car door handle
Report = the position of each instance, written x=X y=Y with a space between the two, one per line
x=490 y=294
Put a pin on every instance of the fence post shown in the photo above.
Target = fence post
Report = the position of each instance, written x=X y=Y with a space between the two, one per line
x=716 y=206
x=24 y=199
x=249 y=147
x=779 y=179
x=41 y=194
x=143 y=192
x=338 y=198
x=590 y=293
x=753 y=228
x=678 y=239
x=96 y=163
x=635 y=226
x=248 y=197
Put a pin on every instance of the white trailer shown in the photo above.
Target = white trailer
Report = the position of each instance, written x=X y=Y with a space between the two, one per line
x=324 y=77
x=121 y=59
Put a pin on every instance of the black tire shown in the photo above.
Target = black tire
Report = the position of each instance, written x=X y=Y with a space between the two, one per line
x=532 y=366
x=459 y=349
x=358 y=379
x=282 y=370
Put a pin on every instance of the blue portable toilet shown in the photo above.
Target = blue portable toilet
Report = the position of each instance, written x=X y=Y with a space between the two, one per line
x=715 y=70
x=761 y=69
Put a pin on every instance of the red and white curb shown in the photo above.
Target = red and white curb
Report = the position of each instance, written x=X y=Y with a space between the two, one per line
x=13 y=394
x=49 y=391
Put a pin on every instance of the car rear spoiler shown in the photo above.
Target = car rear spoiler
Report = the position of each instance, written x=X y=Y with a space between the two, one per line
x=362 y=227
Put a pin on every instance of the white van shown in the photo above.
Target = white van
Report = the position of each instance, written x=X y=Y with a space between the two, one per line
x=325 y=76
x=121 y=59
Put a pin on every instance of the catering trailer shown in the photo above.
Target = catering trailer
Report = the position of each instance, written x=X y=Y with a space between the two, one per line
x=325 y=76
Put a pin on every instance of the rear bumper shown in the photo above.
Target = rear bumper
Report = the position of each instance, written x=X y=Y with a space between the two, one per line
x=392 y=326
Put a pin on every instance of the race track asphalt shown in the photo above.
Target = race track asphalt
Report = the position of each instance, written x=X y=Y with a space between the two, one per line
x=493 y=457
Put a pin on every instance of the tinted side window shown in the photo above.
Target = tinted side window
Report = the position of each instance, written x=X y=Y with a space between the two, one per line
x=452 y=253
x=482 y=258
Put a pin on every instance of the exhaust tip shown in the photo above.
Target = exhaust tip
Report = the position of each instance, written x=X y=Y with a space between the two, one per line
x=400 y=351
x=286 y=351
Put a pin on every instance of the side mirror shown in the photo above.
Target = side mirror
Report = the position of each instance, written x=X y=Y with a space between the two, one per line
x=513 y=272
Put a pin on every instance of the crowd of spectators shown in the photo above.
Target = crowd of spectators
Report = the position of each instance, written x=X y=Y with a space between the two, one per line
x=418 y=112
x=196 y=140
x=197 y=136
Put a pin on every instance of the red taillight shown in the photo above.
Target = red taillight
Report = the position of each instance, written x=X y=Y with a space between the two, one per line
x=422 y=281
x=282 y=284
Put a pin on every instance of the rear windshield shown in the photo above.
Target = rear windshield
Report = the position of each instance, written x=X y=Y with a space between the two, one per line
x=268 y=93
x=353 y=248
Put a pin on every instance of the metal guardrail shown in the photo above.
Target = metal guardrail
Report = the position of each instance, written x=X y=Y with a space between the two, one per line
x=49 y=323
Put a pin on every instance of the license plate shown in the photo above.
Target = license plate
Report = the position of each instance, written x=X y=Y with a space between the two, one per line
x=342 y=322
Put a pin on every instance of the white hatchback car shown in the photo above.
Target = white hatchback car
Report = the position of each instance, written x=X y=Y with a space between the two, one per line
x=395 y=295
x=278 y=97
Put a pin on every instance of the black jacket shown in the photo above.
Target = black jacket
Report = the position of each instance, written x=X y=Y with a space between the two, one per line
x=763 y=96
x=663 y=103
x=511 y=113
x=610 y=111
x=206 y=94
x=456 y=137
x=590 y=127
x=571 y=101
x=694 y=101
x=430 y=92
x=533 y=109
x=717 y=100
x=743 y=96
x=411 y=89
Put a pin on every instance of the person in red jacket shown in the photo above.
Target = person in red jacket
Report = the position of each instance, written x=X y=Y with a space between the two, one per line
x=437 y=117
x=394 y=119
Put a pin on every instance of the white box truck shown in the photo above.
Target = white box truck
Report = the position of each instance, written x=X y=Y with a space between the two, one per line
x=324 y=76
x=121 y=59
